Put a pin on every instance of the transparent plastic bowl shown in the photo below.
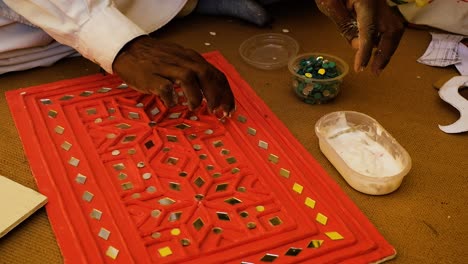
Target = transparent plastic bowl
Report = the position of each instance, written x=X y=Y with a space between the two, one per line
x=347 y=139
x=314 y=90
x=269 y=51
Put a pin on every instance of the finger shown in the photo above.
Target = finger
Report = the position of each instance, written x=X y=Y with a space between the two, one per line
x=213 y=83
x=185 y=77
x=227 y=104
x=210 y=80
x=366 y=19
x=341 y=16
x=160 y=86
x=386 y=48
x=218 y=92
x=144 y=82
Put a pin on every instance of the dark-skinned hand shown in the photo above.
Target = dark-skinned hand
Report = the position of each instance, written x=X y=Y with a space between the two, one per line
x=366 y=24
x=154 y=67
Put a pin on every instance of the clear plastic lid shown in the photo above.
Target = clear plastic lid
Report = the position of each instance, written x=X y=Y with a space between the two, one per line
x=269 y=51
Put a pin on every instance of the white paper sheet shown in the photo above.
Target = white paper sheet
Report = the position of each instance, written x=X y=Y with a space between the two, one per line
x=442 y=51
x=17 y=202
x=462 y=66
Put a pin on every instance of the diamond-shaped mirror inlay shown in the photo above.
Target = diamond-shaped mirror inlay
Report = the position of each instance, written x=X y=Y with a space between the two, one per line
x=127 y=186
x=269 y=258
x=273 y=158
x=96 y=214
x=59 y=130
x=129 y=138
x=112 y=252
x=155 y=111
x=233 y=201
x=166 y=201
x=149 y=144
x=122 y=86
x=334 y=235
x=222 y=187
x=133 y=115
x=53 y=113
x=223 y=216
x=67 y=97
x=251 y=131
x=119 y=166
x=218 y=143
x=199 y=182
x=155 y=213
x=293 y=251
x=275 y=221
x=242 y=118
x=171 y=138
x=198 y=224
x=80 y=178
x=104 y=90
x=174 y=216
x=310 y=202
x=123 y=126
x=172 y=160
x=321 y=219
x=315 y=243
x=175 y=186
x=91 y=111
x=182 y=126
x=86 y=93
x=284 y=172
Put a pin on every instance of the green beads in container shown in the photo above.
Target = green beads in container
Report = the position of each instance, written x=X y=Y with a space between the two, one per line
x=317 y=77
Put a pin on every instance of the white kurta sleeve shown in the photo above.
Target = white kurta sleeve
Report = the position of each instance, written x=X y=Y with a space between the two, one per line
x=96 y=29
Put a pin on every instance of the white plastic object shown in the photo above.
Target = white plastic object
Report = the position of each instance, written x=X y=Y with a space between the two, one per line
x=364 y=153
x=449 y=93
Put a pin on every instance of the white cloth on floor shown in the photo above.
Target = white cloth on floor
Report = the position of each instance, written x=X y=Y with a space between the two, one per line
x=24 y=59
x=24 y=47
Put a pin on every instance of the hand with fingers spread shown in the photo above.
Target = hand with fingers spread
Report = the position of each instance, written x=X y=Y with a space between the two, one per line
x=152 y=66
x=366 y=24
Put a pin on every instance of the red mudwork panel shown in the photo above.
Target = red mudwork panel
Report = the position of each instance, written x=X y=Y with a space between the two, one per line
x=131 y=181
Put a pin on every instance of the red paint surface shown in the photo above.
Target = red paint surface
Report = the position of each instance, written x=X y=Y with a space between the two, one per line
x=89 y=120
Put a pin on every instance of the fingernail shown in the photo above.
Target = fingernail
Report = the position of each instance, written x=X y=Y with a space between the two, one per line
x=175 y=98
x=377 y=72
x=225 y=114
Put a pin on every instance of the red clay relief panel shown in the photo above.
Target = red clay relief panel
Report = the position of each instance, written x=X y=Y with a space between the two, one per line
x=131 y=181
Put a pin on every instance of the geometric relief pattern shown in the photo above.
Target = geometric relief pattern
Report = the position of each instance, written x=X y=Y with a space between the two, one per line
x=132 y=181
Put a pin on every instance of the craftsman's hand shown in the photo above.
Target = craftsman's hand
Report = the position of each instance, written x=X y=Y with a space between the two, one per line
x=152 y=66
x=366 y=24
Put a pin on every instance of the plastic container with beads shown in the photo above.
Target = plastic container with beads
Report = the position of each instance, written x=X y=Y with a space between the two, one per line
x=317 y=77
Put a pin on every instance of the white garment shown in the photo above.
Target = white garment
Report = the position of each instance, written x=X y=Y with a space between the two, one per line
x=16 y=36
x=448 y=15
x=35 y=57
x=96 y=29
